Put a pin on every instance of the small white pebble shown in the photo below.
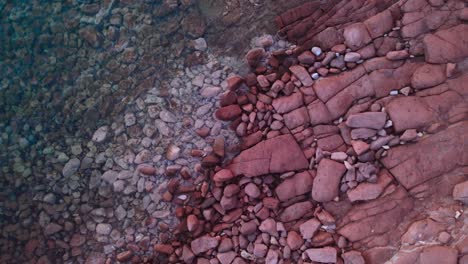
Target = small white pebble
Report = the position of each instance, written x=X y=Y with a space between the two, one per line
x=420 y=134
x=386 y=147
x=317 y=51
x=457 y=214
x=360 y=61
x=337 y=54
x=411 y=56
x=315 y=76
x=394 y=92
x=182 y=197
x=396 y=28
x=389 y=123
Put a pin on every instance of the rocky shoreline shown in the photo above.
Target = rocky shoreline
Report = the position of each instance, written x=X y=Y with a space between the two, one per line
x=348 y=147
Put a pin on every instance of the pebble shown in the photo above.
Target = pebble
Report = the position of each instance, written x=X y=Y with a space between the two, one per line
x=167 y=117
x=103 y=229
x=71 y=167
x=316 y=51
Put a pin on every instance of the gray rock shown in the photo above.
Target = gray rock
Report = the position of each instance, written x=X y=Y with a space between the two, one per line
x=120 y=213
x=101 y=134
x=71 y=167
x=52 y=228
x=49 y=198
x=110 y=176
x=129 y=119
x=167 y=116
x=103 y=229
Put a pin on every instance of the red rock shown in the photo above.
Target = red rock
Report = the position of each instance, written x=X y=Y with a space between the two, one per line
x=147 y=170
x=356 y=36
x=369 y=191
x=423 y=230
x=353 y=257
x=463 y=15
x=263 y=81
x=226 y=257
x=248 y=228
x=77 y=240
x=32 y=245
x=286 y=104
x=295 y=211
x=192 y=223
x=269 y=226
x=327 y=38
x=218 y=146
x=228 y=113
x=187 y=254
x=306 y=57
x=373 y=120
x=448 y=45
x=229 y=203
x=410 y=112
x=319 y=113
x=270 y=203
x=362 y=133
x=322 y=255
x=326 y=183
x=379 y=24
x=275 y=155
x=330 y=143
x=272 y=257
x=231 y=190
x=397 y=55
x=225 y=245
x=203 y=244
x=298 y=184
x=326 y=88
x=339 y=104
x=124 y=256
x=309 y=228
x=427 y=76
x=376 y=217
x=438 y=254
x=223 y=175
x=252 y=190
x=302 y=74
x=163 y=248
x=254 y=56
x=251 y=139
x=296 y=118
x=234 y=82
x=460 y=192
x=260 y=250
x=294 y=240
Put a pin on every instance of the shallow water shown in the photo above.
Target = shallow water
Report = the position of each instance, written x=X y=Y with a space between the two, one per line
x=70 y=67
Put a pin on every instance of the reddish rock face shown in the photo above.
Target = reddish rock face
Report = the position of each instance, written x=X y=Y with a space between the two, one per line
x=429 y=158
x=228 y=113
x=322 y=255
x=286 y=104
x=299 y=184
x=276 y=155
x=356 y=36
x=302 y=74
x=295 y=211
x=410 y=112
x=325 y=187
x=203 y=244
x=449 y=45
